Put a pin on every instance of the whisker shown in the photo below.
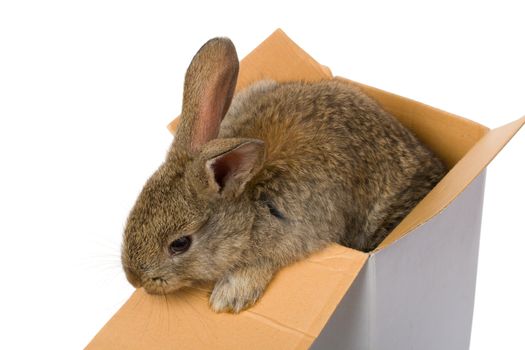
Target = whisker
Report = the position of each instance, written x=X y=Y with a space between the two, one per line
x=198 y=315
x=139 y=301
x=168 y=311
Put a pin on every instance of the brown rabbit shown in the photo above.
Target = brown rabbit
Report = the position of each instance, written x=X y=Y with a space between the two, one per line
x=292 y=168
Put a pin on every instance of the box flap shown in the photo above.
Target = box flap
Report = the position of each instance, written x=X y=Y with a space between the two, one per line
x=277 y=58
x=292 y=313
x=457 y=179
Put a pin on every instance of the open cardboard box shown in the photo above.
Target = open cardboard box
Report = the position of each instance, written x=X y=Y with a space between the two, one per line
x=415 y=291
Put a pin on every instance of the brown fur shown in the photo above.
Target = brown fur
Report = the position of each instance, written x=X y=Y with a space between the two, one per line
x=291 y=168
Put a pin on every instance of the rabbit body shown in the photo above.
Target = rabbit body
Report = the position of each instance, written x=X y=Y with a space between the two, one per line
x=281 y=172
x=338 y=166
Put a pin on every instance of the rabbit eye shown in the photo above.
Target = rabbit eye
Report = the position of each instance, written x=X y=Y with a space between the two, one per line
x=180 y=245
x=274 y=211
x=271 y=207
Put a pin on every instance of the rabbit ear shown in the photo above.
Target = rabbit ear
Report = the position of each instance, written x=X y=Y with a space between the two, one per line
x=208 y=90
x=238 y=160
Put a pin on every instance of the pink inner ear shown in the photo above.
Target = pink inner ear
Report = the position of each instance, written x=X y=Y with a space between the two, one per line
x=214 y=105
x=231 y=170
x=208 y=120
x=225 y=167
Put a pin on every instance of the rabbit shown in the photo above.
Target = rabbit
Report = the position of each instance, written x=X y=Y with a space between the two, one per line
x=255 y=182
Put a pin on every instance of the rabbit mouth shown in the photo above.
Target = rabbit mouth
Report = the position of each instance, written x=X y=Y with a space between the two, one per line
x=159 y=285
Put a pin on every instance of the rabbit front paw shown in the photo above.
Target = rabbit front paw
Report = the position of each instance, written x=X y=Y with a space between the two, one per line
x=237 y=291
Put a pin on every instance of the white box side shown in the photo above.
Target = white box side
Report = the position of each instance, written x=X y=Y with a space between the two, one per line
x=425 y=282
x=417 y=293
x=349 y=325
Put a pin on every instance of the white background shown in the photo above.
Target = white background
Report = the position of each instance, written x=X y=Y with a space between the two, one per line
x=87 y=88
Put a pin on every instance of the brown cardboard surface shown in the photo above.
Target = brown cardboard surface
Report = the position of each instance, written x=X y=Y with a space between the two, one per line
x=295 y=308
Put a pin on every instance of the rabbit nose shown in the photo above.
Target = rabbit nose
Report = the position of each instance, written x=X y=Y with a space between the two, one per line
x=132 y=277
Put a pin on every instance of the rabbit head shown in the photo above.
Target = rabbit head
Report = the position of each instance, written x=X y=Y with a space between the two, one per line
x=191 y=221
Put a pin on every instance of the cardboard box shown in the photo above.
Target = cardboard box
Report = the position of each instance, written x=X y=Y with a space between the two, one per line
x=415 y=291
